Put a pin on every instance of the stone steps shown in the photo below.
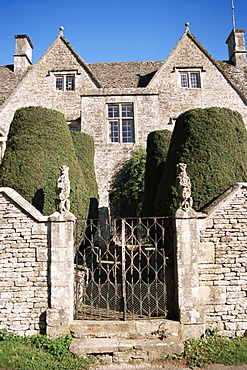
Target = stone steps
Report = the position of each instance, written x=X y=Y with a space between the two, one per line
x=121 y=341
x=125 y=350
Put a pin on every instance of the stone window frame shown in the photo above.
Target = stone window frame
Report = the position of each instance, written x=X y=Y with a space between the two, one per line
x=65 y=82
x=64 y=77
x=117 y=132
x=186 y=77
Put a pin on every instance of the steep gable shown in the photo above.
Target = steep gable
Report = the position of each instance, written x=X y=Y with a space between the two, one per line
x=188 y=53
x=191 y=78
x=38 y=86
x=61 y=56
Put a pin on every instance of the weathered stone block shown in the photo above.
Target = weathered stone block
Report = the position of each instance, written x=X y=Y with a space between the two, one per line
x=41 y=254
x=206 y=252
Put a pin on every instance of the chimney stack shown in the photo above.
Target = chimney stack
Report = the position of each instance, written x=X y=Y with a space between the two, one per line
x=23 y=54
x=236 y=48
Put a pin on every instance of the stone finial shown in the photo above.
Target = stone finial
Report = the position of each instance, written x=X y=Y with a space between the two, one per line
x=63 y=190
x=183 y=186
x=61 y=28
x=187 y=26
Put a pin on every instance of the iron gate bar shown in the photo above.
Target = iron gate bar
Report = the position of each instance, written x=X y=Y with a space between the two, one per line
x=121 y=268
x=123 y=271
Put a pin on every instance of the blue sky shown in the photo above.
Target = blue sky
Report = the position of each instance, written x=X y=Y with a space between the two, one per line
x=114 y=30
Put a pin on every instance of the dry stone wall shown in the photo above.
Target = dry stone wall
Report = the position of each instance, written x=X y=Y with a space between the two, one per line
x=37 y=267
x=223 y=276
x=23 y=265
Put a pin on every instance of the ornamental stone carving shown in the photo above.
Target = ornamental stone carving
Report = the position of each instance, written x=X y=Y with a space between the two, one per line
x=63 y=190
x=183 y=187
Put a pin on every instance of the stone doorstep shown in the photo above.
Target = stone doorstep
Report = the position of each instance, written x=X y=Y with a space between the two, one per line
x=125 y=329
x=149 y=349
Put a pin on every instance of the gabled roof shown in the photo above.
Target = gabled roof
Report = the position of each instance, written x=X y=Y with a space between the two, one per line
x=127 y=74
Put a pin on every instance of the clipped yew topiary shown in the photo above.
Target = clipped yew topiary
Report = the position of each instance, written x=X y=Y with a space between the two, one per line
x=84 y=149
x=213 y=144
x=39 y=142
x=157 y=147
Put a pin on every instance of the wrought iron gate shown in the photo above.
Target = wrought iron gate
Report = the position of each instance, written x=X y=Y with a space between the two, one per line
x=123 y=268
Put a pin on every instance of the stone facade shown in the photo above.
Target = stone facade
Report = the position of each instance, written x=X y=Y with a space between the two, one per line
x=153 y=89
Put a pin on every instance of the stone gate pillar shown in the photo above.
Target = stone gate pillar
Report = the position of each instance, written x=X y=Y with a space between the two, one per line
x=189 y=293
x=187 y=224
x=61 y=274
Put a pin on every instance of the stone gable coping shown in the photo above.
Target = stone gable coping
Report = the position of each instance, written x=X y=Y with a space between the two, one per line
x=23 y=204
x=80 y=60
x=226 y=196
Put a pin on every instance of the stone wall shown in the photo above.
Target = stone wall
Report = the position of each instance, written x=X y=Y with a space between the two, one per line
x=225 y=276
x=211 y=254
x=23 y=265
x=36 y=268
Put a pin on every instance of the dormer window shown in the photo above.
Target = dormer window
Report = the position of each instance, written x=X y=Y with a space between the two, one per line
x=190 y=80
x=65 y=82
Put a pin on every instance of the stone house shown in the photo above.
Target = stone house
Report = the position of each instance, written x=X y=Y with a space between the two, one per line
x=119 y=104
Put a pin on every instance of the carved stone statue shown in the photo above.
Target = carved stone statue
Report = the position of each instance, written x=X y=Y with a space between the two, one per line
x=63 y=190
x=183 y=186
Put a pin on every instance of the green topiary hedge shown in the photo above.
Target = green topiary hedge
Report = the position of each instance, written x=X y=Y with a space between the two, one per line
x=157 y=148
x=39 y=142
x=213 y=143
x=84 y=149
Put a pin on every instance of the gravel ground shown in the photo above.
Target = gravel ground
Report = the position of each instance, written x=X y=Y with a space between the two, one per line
x=158 y=366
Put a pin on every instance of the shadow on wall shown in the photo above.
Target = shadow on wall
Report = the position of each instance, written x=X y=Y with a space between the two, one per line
x=42 y=323
x=38 y=200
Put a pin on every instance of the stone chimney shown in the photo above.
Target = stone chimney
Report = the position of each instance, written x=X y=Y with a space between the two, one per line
x=236 y=48
x=23 y=54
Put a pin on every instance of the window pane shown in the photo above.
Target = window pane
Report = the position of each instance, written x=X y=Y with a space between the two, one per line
x=184 y=80
x=128 y=130
x=127 y=111
x=114 y=131
x=70 y=83
x=74 y=128
x=194 y=80
x=59 y=83
x=113 y=111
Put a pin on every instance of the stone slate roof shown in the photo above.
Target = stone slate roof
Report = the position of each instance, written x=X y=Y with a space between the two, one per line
x=8 y=81
x=124 y=74
x=237 y=76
